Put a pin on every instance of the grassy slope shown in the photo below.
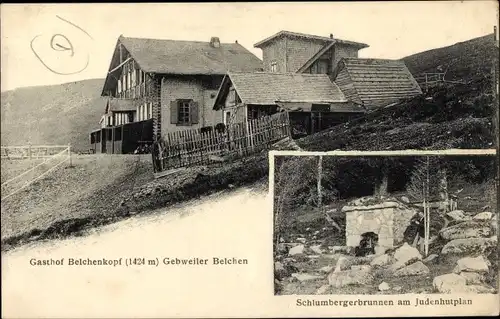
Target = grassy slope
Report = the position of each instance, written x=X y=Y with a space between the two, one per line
x=468 y=60
x=452 y=116
x=56 y=114
x=93 y=185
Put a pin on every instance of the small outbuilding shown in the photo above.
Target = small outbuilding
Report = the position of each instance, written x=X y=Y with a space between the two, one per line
x=313 y=101
x=375 y=82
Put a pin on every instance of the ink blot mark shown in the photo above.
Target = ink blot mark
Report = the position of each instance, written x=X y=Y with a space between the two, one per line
x=62 y=44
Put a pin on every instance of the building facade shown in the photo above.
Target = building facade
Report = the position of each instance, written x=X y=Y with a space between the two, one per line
x=171 y=84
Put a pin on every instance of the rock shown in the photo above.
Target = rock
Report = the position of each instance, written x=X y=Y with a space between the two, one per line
x=317 y=249
x=277 y=286
x=381 y=260
x=308 y=228
x=397 y=288
x=457 y=215
x=321 y=290
x=350 y=277
x=297 y=250
x=313 y=256
x=281 y=248
x=342 y=264
x=380 y=250
x=479 y=289
x=472 y=278
x=415 y=269
x=301 y=240
x=405 y=199
x=346 y=262
x=430 y=258
x=469 y=246
x=483 y=216
x=384 y=286
x=289 y=260
x=361 y=267
x=406 y=254
x=326 y=269
x=494 y=225
x=467 y=229
x=305 y=277
x=340 y=249
x=279 y=271
x=449 y=283
x=477 y=264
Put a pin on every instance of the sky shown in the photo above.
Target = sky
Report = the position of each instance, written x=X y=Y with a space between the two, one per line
x=58 y=43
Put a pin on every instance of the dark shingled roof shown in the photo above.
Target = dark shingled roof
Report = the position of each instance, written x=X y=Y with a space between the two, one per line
x=190 y=57
x=268 y=88
x=376 y=82
x=120 y=105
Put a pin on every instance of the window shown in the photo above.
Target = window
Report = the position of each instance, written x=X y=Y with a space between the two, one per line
x=183 y=115
x=118 y=133
x=274 y=66
x=320 y=67
x=227 y=117
x=134 y=77
x=183 y=112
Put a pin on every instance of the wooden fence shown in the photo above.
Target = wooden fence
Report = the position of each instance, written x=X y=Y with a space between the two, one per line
x=27 y=177
x=32 y=151
x=213 y=144
x=428 y=80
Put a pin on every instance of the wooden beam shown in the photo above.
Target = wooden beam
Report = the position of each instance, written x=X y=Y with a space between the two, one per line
x=120 y=65
x=121 y=52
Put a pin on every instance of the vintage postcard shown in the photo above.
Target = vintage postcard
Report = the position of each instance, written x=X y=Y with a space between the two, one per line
x=330 y=159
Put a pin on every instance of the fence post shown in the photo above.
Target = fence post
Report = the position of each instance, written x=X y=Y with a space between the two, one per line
x=69 y=154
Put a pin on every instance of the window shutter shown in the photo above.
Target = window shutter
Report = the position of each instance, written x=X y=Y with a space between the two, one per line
x=194 y=112
x=174 y=108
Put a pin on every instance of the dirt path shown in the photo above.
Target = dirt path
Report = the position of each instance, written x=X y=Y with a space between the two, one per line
x=182 y=231
x=101 y=190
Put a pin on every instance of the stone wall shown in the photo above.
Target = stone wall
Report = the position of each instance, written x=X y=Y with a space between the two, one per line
x=388 y=219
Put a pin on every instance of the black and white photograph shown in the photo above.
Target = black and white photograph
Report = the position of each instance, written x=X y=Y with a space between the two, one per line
x=385 y=225
x=196 y=159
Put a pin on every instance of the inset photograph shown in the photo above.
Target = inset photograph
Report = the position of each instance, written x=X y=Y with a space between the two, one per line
x=385 y=224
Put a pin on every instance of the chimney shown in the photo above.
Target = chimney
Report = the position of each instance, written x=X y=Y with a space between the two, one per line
x=214 y=42
x=331 y=35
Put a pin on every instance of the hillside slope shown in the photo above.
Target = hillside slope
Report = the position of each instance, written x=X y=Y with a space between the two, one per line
x=469 y=60
x=447 y=116
x=56 y=114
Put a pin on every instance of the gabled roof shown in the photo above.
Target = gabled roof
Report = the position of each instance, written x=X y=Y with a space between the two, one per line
x=308 y=36
x=120 y=105
x=377 y=81
x=267 y=88
x=189 y=57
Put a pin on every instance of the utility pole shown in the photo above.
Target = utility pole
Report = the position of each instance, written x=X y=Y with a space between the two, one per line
x=496 y=105
x=320 y=173
x=427 y=210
